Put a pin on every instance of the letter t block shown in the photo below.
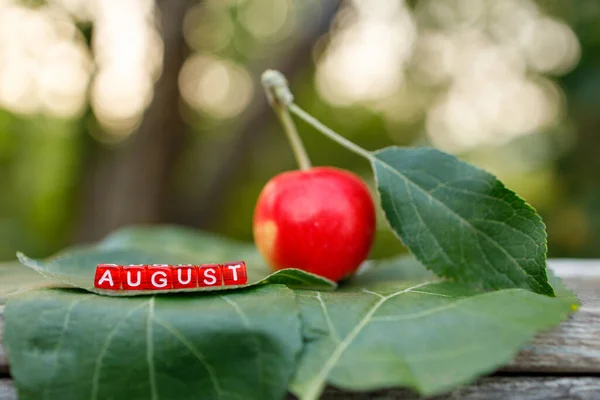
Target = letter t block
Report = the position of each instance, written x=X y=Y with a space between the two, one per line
x=234 y=273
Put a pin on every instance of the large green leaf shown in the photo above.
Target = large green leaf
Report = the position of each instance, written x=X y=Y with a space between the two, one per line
x=69 y=344
x=164 y=245
x=394 y=324
x=381 y=331
x=461 y=221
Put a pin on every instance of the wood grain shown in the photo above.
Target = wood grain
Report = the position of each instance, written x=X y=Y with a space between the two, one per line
x=491 y=388
x=494 y=388
x=573 y=348
x=7 y=390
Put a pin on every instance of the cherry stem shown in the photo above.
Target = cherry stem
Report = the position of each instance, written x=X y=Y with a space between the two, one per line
x=280 y=98
x=330 y=133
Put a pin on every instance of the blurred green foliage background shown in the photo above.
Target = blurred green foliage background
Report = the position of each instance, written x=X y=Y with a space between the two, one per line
x=141 y=112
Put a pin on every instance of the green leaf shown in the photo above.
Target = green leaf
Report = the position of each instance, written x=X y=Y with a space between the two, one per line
x=165 y=245
x=379 y=331
x=14 y=278
x=68 y=344
x=460 y=221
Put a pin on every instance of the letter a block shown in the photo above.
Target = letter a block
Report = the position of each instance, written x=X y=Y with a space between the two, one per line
x=209 y=275
x=134 y=277
x=234 y=273
x=159 y=276
x=108 y=276
x=184 y=276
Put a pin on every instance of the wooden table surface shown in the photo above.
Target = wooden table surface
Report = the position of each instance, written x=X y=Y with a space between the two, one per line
x=560 y=364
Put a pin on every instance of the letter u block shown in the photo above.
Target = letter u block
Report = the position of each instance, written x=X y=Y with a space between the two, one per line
x=159 y=277
x=108 y=276
x=234 y=273
x=134 y=277
x=184 y=276
x=209 y=275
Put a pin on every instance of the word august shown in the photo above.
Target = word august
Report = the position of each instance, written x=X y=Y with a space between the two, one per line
x=163 y=277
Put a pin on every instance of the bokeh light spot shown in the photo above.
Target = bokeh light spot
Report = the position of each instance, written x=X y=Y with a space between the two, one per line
x=215 y=86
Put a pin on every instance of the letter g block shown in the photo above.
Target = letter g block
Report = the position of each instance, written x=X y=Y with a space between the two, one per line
x=159 y=277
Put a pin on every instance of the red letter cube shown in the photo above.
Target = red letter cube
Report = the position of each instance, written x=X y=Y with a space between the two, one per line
x=184 y=276
x=134 y=277
x=159 y=276
x=234 y=273
x=108 y=276
x=209 y=275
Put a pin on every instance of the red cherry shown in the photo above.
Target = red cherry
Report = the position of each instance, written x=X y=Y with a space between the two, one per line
x=320 y=220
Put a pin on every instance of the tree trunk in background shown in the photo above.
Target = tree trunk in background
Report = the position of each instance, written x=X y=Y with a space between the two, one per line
x=576 y=222
x=127 y=184
x=204 y=203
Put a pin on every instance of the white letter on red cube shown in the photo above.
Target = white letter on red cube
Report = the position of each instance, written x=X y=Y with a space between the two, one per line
x=134 y=277
x=234 y=273
x=184 y=276
x=209 y=275
x=159 y=276
x=108 y=276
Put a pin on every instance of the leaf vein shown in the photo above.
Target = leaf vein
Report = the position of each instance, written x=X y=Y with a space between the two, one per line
x=332 y=329
x=109 y=337
x=257 y=345
x=510 y=257
x=62 y=333
x=150 y=350
x=195 y=352
x=316 y=384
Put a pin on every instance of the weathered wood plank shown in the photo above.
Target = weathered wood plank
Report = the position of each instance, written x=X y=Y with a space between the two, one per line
x=492 y=388
x=495 y=388
x=7 y=390
x=574 y=346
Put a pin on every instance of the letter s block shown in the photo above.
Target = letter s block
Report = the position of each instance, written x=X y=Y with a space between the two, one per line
x=134 y=277
x=184 y=276
x=209 y=275
x=234 y=273
x=108 y=276
x=159 y=276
